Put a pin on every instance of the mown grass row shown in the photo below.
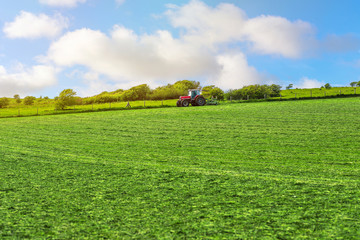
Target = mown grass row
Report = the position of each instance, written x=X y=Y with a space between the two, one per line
x=271 y=170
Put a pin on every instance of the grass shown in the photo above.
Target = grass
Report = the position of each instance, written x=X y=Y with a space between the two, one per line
x=319 y=92
x=265 y=170
x=47 y=106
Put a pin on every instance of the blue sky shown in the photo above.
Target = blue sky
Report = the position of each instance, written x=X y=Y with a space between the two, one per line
x=93 y=46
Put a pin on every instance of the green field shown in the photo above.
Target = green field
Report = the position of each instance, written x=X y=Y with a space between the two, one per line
x=267 y=170
x=43 y=106
x=319 y=92
x=48 y=107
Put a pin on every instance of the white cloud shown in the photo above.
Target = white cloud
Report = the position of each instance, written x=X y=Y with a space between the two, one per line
x=208 y=26
x=279 y=36
x=25 y=80
x=62 y=3
x=227 y=23
x=126 y=56
x=236 y=73
x=28 y=25
x=309 y=83
x=95 y=83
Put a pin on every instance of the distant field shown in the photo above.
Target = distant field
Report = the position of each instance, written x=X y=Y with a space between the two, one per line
x=47 y=106
x=267 y=170
x=319 y=92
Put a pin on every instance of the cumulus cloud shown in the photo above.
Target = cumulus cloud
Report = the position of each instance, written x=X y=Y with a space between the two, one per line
x=306 y=82
x=28 y=25
x=125 y=55
x=236 y=73
x=23 y=80
x=62 y=3
x=208 y=26
x=228 y=23
x=279 y=36
x=127 y=58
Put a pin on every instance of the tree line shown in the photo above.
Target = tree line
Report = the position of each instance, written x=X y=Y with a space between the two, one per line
x=180 y=88
x=171 y=91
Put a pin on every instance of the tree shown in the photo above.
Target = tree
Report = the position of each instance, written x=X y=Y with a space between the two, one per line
x=327 y=86
x=141 y=91
x=212 y=91
x=353 y=84
x=129 y=95
x=206 y=91
x=166 y=92
x=4 y=102
x=290 y=86
x=66 y=98
x=217 y=93
x=29 y=100
x=358 y=84
x=17 y=97
x=275 y=90
x=185 y=85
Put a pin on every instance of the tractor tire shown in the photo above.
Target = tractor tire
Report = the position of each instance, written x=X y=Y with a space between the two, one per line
x=200 y=101
x=193 y=103
x=185 y=103
x=178 y=103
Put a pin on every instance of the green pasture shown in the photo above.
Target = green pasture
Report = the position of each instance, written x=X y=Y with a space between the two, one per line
x=48 y=108
x=267 y=170
x=319 y=92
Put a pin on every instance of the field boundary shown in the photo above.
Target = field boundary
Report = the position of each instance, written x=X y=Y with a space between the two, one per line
x=126 y=108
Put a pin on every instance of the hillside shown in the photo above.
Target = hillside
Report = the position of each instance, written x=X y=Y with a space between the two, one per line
x=266 y=170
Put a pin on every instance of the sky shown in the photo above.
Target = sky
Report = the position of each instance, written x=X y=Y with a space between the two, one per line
x=93 y=46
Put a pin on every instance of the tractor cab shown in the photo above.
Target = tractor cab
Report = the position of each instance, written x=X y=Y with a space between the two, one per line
x=194 y=97
x=193 y=93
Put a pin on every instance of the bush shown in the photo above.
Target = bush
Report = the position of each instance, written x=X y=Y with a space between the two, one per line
x=166 y=92
x=4 y=102
x=17 y=98
x=290 y=86
x=66 y=98
x=327 y=86
x=29 y=100
x=275 y=90
x=254 y=92
x=185 y=85
x=212 y=91
x=353 y=84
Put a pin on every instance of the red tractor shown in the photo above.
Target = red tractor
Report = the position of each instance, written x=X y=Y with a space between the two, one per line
x=194 y=97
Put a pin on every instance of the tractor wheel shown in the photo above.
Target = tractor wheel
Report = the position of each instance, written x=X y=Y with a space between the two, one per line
x=193 y=103
x=185 y=103
x=200 y=101
x=178 y=103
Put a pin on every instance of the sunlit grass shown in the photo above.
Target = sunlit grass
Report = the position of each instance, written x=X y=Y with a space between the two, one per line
x=268 y=170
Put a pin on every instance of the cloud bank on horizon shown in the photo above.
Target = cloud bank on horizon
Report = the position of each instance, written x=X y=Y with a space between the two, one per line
x=211 y=43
